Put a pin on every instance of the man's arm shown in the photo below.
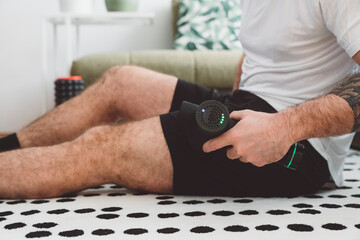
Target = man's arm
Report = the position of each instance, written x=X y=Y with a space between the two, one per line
x=263 y=138
x=238 y=73
x=333 y=114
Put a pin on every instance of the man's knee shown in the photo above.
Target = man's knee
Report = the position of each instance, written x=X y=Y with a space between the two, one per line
x=96 y=136
x=119 y=75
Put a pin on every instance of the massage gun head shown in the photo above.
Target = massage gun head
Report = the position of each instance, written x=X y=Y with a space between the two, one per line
x=212 y=117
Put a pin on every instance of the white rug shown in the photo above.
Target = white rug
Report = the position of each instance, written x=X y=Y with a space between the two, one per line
x=112 y=212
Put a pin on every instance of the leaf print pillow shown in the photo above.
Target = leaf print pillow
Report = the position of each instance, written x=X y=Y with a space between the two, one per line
x=208 y=24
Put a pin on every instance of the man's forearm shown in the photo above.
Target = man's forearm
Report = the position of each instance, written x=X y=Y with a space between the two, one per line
x=333 y=114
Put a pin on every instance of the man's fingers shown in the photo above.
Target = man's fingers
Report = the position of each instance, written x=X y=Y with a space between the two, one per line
x=231 y=153
x=238 y=115
x=217 y=143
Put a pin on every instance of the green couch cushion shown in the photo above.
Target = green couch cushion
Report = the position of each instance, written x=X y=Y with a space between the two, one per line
x=208 y=24
x=207 y=68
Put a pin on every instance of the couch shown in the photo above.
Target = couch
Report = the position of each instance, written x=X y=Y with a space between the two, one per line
x=214 y=69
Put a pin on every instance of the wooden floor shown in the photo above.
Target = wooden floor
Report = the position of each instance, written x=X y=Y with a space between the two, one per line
x=3 y=135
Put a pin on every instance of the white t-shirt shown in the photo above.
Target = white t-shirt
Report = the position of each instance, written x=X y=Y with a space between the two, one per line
x=298 y=50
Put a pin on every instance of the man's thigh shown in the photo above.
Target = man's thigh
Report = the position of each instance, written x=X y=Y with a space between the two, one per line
x=194 y=93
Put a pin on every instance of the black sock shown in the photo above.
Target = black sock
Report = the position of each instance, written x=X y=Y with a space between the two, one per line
x=8 y=143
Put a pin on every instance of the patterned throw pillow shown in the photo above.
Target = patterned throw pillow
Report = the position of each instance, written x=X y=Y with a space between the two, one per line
x=208 y=24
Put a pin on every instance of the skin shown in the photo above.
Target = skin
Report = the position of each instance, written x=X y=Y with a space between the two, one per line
x=118 y=154
x=113 y=97
x=256 y=137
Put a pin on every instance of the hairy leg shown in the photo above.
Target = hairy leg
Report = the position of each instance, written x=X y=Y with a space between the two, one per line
x=134 y=155
x=123 y=92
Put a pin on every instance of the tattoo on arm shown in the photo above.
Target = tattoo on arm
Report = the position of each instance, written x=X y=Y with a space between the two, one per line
x=349 y=90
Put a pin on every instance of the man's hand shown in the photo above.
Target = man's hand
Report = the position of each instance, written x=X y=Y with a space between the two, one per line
x=258 y=138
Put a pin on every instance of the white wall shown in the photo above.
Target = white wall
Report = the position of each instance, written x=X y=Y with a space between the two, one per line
x=21 y=86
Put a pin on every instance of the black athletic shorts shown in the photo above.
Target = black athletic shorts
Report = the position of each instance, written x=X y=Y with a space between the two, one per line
x=199 y=173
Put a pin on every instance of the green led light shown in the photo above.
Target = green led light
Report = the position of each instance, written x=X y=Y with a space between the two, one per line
x=292 y=158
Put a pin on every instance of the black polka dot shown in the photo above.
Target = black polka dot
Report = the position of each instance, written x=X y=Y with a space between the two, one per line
x=72 y=233
x=107 y=216
x=2 y=219
x=140 y=193
x=302 y=205
x=92 y=194
x=45 y=225
x=111 y=209
x=309 y=211
x=38 y=234
x=97 y=187
x=202 y=229
x=249 y=212
x=356 y=195
x=336 y=196
x=62 y=200
x=1 y=202
x=327 y=205
x=168 y=215
x=40 y=201
x=194 y=214
x=69 y=195
x=136 y=231
x=313 y=196
x=7 y=213
x=31 y=212
x=137 y=215
x=278 y=212
x=116 y=187
x=16 y=202
x=345 y=187
x=223 y=213
x=348 y=169
x=193 y=202
x=267 y=227
x=352 y=205
x=236 y=228
x=116 y=194
x=58 y=211
x=102 y=232
x=357 y=226
x=300 y=228
x=334 y=226
x=169 y=230
x=216 y=201
x=164 y=197
x=243 y=200
x=350 y=163
x=84 y=210
x=352 y=180
x=167 y=202
x=15 y=225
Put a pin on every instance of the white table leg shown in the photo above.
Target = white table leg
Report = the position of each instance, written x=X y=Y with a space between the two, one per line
x=77 y=50
x=69 y=58
x=44 y=65
x=55 y=52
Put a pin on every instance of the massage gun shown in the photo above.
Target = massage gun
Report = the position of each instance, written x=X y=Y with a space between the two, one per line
x=212 y=118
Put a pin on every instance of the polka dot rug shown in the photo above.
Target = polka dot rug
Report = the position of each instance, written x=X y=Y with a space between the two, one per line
x=113 y=212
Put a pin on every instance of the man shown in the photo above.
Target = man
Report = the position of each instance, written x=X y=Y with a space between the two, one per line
x=296 y=53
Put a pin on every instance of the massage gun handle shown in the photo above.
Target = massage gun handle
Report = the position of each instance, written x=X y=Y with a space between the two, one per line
x=292 y=158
